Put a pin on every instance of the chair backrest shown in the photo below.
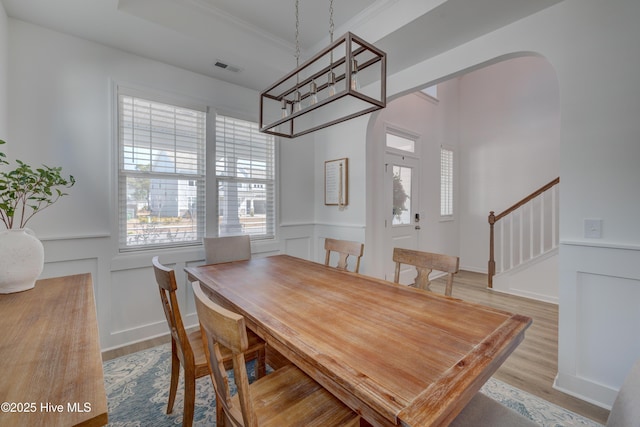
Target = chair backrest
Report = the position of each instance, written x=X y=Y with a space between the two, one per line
x=344 y=248
x=226 y=249
x=223 y=327
x=625 y=411
x=425 y=262
x=166 y=279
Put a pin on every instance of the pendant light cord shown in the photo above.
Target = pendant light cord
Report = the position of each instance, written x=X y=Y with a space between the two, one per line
x=331 y=28
x=297 y=34
x=297 y=41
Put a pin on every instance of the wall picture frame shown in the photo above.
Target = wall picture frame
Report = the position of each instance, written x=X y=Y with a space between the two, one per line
x=336 y=182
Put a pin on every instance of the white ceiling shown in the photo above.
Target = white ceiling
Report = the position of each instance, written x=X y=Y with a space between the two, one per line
x=258 y=36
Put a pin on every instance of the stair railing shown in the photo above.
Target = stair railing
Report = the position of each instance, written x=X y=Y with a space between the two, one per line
x=518 y=237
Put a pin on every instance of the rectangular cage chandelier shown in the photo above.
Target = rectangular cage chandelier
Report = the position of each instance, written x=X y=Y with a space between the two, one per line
x=345 y=80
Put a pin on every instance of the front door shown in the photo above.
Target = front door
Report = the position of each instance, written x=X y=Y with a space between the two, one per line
x=402 y=218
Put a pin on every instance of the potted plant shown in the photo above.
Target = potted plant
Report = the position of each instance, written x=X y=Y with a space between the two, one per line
x=24 y=192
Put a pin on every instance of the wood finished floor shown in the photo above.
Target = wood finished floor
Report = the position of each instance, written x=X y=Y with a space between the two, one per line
x=532 y=367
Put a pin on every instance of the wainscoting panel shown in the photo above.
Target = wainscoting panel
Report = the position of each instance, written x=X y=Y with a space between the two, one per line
x=70 y=267
x=127 y=299
x=599 y=316
x=604 y=301
x=135 y=304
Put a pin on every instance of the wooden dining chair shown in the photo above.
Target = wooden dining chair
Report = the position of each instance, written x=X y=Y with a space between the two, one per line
x=187 y=349
x=226 y=249
x=483 y=411
x=625 y=411
x=344 y=248
x=425 y=262
x=286 y=397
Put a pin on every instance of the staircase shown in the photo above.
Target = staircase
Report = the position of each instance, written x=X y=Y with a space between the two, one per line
x=523 y=242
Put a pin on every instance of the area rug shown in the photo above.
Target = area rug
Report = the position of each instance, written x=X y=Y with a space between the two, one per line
x=137 y=388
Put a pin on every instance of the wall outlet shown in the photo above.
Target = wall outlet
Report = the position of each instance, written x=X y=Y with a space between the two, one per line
x=593 y=228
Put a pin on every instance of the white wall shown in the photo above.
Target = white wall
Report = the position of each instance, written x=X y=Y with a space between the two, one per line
x=503 y=123
x=339 y=142
x=61 y=94
x=509 y=144
x=4 y=66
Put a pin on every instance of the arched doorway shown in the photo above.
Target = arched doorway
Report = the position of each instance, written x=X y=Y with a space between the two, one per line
x=501 y=120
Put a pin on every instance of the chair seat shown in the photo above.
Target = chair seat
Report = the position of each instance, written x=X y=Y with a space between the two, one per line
x=195 y=338
x=483 y=411
x=289 y=397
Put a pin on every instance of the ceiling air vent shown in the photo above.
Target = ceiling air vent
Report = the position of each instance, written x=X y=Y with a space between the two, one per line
x=228 y=67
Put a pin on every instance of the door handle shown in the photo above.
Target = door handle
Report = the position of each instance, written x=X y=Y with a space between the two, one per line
x=417 y=227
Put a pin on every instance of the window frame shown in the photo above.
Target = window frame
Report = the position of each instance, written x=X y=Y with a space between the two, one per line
x=451 y=185
x=212 y=225
x=120 y=175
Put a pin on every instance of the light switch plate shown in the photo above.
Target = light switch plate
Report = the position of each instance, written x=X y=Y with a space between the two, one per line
x=593 y=228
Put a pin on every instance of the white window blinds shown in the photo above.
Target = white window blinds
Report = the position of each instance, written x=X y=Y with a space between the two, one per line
x=446 y=182
x=161 y=180
x=245 y=176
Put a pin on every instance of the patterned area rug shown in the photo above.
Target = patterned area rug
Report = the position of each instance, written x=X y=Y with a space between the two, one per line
x=137 y=388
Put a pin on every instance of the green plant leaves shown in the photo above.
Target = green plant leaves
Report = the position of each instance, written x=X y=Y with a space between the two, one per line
x=25 y=191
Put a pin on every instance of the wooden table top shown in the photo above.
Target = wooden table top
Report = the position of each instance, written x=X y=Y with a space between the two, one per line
x=51 y=367
x=398 y=355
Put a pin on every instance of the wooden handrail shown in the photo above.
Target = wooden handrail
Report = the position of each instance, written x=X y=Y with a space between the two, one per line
x=493 y=218
x=526 y=199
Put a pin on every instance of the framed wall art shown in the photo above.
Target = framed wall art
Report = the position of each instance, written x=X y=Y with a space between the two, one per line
x=336 y=182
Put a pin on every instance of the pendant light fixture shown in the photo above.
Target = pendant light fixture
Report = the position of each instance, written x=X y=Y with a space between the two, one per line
x=345 y=80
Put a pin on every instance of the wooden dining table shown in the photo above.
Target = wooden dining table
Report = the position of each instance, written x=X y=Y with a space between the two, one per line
x=395 y=354
x=51 y=365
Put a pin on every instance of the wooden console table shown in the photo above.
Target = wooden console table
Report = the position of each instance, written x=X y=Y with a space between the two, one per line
x=50 y=361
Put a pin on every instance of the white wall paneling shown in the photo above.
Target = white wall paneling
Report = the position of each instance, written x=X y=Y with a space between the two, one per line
x=599 y=319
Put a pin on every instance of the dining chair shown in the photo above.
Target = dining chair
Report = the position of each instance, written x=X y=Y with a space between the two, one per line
x=483 y=411
x=625 y=411
x=344 y=248
x=425 y=262
x=187 y=349
x=226 y=249
x=285 y=397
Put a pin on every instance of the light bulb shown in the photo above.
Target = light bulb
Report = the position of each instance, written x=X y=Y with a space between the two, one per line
x=331 y=83
x=313 y=90
x=285 y=111
x=355 y=83
x=297 y=105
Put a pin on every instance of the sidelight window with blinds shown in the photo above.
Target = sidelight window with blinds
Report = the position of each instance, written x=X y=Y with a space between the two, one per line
x=161 y=173
x=245 y=178
x=446 y=183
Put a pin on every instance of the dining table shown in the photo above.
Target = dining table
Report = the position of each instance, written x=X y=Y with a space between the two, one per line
x=395 y=354
x=51 y=366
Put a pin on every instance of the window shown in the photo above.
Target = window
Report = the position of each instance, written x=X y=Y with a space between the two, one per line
x=401 y=143
x=161 y=173
x=245 y=178
x=446 y=182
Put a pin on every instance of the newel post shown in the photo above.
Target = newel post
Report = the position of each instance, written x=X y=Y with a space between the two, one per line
x=492 y=262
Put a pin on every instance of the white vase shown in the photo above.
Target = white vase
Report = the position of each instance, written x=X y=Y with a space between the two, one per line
x=21 y=260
